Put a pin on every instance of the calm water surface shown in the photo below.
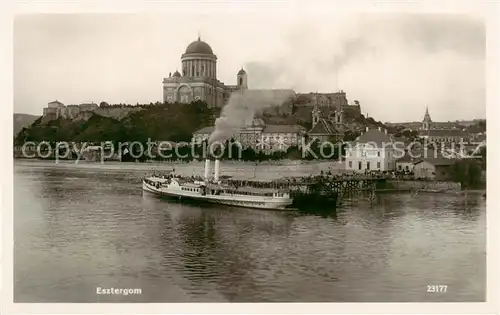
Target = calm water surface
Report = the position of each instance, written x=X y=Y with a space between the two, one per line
x=79 y=228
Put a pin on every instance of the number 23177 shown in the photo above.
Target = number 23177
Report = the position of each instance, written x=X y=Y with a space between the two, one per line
x=437 y=288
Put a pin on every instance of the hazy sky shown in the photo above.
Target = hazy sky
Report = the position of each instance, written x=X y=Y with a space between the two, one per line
x=394 y=65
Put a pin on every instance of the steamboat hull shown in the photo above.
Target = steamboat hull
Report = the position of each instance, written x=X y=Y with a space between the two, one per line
x=314 y=203
x=220 y=200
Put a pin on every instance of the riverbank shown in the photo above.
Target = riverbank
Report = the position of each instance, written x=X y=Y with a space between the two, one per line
x=236 y=169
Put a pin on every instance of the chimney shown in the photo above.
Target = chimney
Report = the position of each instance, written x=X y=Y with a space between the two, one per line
x=207 y=169
x=216 y=170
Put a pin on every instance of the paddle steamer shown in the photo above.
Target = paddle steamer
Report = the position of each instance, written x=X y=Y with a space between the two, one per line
x=211 y=190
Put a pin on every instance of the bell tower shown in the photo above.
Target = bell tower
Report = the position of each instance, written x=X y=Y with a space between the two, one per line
x=316 y=113
x=426 y=123
x=241 y=80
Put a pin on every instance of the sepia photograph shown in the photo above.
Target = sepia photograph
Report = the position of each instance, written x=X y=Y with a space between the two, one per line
x=242 y=155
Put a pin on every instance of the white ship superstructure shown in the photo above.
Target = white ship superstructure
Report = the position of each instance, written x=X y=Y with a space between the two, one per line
x=213 y=191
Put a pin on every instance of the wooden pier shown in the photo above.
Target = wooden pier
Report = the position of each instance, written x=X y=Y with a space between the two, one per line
x=319 y=193
x=311 y=184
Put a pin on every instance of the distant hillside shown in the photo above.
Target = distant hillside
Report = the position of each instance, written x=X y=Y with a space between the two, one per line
x=23 y=121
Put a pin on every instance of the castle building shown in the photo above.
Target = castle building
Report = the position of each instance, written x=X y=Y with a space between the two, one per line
x=198 y=80
x=57 y=109
x=52 y=108
x=326 y=102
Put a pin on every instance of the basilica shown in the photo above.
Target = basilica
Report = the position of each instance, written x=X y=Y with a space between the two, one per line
x=198 y=80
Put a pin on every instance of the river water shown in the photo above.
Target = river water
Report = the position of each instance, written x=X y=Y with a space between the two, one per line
x=80 y=227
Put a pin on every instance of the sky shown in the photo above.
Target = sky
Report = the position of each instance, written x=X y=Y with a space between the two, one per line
x=393 y=64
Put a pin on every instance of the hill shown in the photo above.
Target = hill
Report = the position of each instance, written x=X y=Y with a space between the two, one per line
x=22 y=121
x=172 y=122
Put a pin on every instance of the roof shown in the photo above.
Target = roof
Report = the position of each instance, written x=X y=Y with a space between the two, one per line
x=445 y=133
x=199 y=47
x=437 y=161
x=283 y=129
x=267 y=129
x=418 y=153
x=405 y=158
x=161 y=143
x=56 y=102
x=241 y=72
x=374 y=136
x=480 y=137
x=324 y=126
x=415 y=154
x=176 y=74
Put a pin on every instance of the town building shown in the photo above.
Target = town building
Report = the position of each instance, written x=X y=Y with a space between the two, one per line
x=260 y=136
x=428 y=124
x=326 y=129
x=414 y=154
x=441 y=135
x=405 y=164
x=373 y=150
x=433 y=168
x=449 y=136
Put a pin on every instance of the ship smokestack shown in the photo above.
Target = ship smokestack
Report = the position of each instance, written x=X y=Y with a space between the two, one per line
x=207 y=169
x=216 y=170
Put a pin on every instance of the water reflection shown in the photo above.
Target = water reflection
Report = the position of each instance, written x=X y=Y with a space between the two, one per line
x=220 y=247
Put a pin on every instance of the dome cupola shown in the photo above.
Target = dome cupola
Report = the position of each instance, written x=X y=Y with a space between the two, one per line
x=199 y=47
x=199 y=61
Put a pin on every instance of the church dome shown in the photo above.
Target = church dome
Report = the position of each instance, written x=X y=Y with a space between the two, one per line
x=199 y=47
x=176 y=74
x=241 y=72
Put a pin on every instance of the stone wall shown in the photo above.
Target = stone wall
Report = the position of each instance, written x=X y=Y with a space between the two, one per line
x=83 y=116
x=408 y=185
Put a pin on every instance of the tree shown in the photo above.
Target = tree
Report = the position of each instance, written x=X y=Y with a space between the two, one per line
x=350 y=135
x=467 y=172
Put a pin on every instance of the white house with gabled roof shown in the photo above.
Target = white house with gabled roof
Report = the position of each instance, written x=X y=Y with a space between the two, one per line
x=374 y=150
